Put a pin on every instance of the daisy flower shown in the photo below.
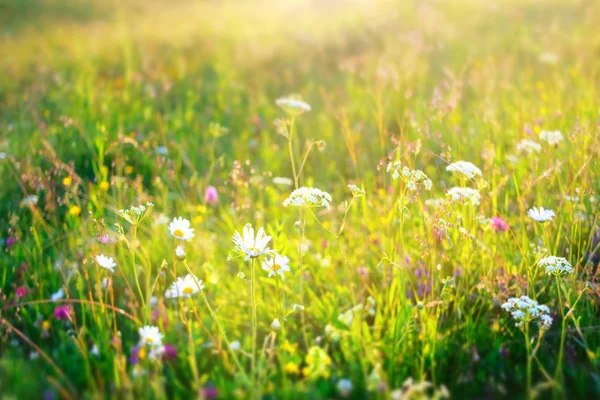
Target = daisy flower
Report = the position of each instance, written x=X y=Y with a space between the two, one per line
x=184 y=287
x=464 y=168
x=106 y=262
x=292 y=107
x=553 y=138
x=555 y=265
x=308 y=197
x=150 y=335
x=276 y=265
x=541 y=214
x=180 y=229
x=252 y=247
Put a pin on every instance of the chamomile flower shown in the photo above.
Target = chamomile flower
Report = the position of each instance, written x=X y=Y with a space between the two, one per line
x=555 y=265
x=106 y=262
x=180 y=229
x=541 y=214
x=308 y=197
x=184 y=287
x=464 y=169
x=292 y=107
x=252 y=247
x=150 y=335
x=465 y=195
x=553 y=138
x=276 y=265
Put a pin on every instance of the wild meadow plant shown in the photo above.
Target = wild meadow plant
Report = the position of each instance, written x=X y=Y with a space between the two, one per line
x=422 y=223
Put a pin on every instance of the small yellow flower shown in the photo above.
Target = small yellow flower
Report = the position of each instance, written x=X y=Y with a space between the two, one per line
x=291 y=368
x=288 y=347
x=104 y=170
x=142 y=353
x=129 y=169
x=197 y=220
x=75 y=210
x=201 y=208
x=104 y=185
x=67 y=181
x=45 y=325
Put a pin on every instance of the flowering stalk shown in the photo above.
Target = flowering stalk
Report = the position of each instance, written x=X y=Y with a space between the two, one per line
x=220 y=328
x=254 y=325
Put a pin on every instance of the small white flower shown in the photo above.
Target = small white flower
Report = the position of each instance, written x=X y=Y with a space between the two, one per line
x=283 y=181
x=553 y=138
x=555 y=265
x=344 y=386
x=276 y=265
x=106 y=262
x=180 y=253
x=235 y=345
x=58 y=295
x=356 y=191
x=276 y=325
x=30 y=200
x=464 y=168
x=184 y=287
x=308 y=197
x=150 y=335
x=528 y=146
x=541 y=214
x=292 y=106
x=464 y=195
x=414 y=178
x=249 y=245
x=180 y=229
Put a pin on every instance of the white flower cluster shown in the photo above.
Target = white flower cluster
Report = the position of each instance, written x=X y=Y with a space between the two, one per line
x=308 y=197
x=551 y=137
x=292 y=106
x=555 y=265
x=356 y=191
x=414 y=178
x=524 y=310
x=464 y=168
x=135 y=214
x=465 y=195
x=528 y=146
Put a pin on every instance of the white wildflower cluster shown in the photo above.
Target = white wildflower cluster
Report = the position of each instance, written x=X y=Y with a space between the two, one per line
x=308 y=197
x=528 y=146
x=525 y=310
x=465 y=195
x=419 y=390
x=464 y=169
x=555 y=265
x=278 y=180
x=356 y=191
x=414 y=178
x=30 y=200
x=135 y=214
x=292 y=107
x=553 y=138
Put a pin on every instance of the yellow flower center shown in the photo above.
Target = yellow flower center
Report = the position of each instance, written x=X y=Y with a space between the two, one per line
x=149 y=340
x=188 y=290
x=276 y=267
x=178 y=233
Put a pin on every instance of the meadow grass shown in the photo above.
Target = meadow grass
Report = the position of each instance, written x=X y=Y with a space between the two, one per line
x=406 y=268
